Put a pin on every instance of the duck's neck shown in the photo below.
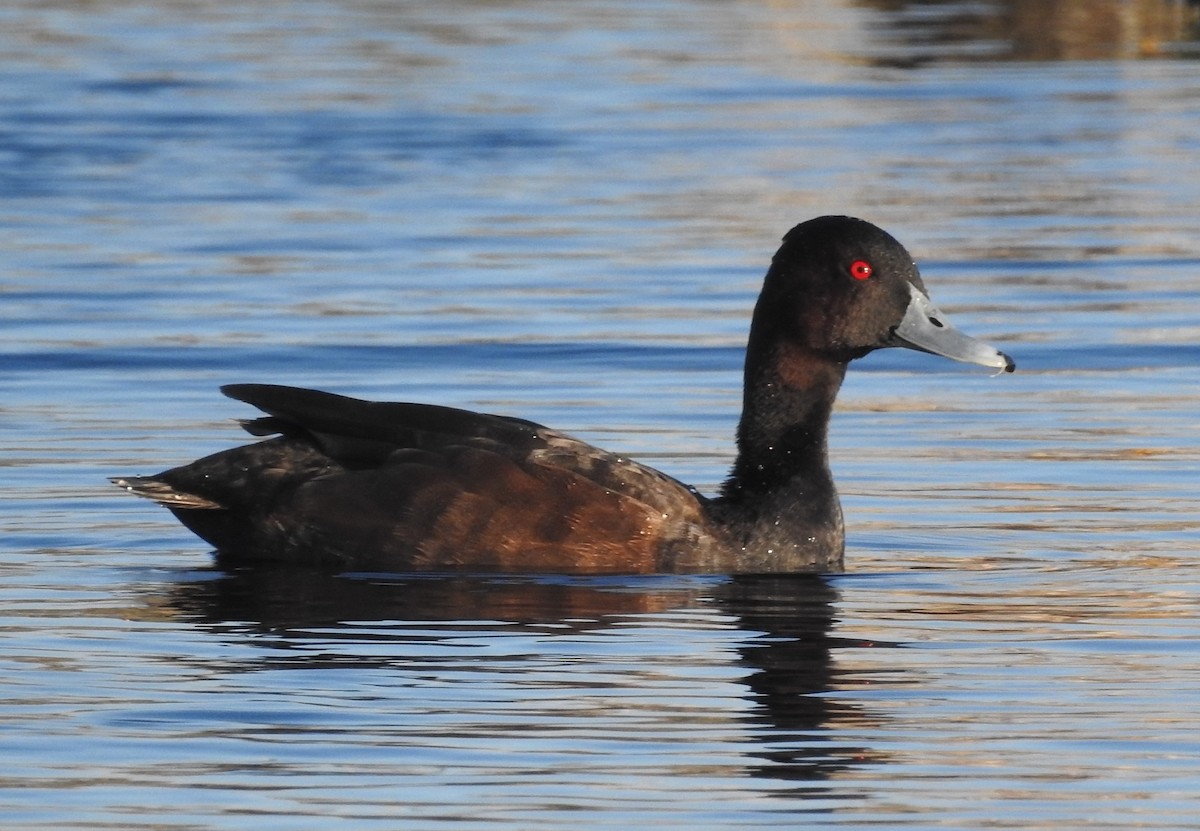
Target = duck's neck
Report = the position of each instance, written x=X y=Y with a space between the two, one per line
x=780 y=494
x=783 y=433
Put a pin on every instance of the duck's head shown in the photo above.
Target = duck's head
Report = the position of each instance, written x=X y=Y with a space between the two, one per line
x=841 y=287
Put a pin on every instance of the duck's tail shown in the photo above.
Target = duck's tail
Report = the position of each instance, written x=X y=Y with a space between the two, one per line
x=150 y=487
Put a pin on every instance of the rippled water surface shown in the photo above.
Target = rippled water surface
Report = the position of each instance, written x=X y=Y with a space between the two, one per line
x=563 y=211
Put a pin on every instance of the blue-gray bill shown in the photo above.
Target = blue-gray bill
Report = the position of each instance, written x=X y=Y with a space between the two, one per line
x=926 y=329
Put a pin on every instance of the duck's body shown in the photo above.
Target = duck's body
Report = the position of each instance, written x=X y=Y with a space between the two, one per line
x=400 y=487
x=414 y=487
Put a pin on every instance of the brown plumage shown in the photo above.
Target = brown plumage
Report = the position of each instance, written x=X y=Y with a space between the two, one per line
x=367 y=485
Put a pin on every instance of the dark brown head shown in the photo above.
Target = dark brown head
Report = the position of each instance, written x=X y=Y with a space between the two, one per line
x=840 y=287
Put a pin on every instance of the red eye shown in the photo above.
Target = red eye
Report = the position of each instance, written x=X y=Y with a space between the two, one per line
x=861 y=269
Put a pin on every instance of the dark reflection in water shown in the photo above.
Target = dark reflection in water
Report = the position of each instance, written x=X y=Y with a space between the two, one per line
x=925 y=31
x=792 y=663
x=783 y=623
x=291 y=601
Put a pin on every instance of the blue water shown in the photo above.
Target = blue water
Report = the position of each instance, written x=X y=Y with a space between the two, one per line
x=563 y=211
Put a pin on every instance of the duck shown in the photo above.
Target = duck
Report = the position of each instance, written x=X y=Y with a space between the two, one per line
x=342 y=483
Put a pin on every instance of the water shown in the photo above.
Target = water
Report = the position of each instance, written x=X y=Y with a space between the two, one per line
x=563 y=211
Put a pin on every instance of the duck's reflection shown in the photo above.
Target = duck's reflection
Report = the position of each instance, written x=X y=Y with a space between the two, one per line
x=793 y=671
x=289 y=601
x=783 y=633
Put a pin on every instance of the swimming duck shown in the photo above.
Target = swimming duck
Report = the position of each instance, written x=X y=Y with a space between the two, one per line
x=361 y=485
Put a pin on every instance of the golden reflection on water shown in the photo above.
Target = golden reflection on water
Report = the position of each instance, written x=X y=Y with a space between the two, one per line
x=1046 y=30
